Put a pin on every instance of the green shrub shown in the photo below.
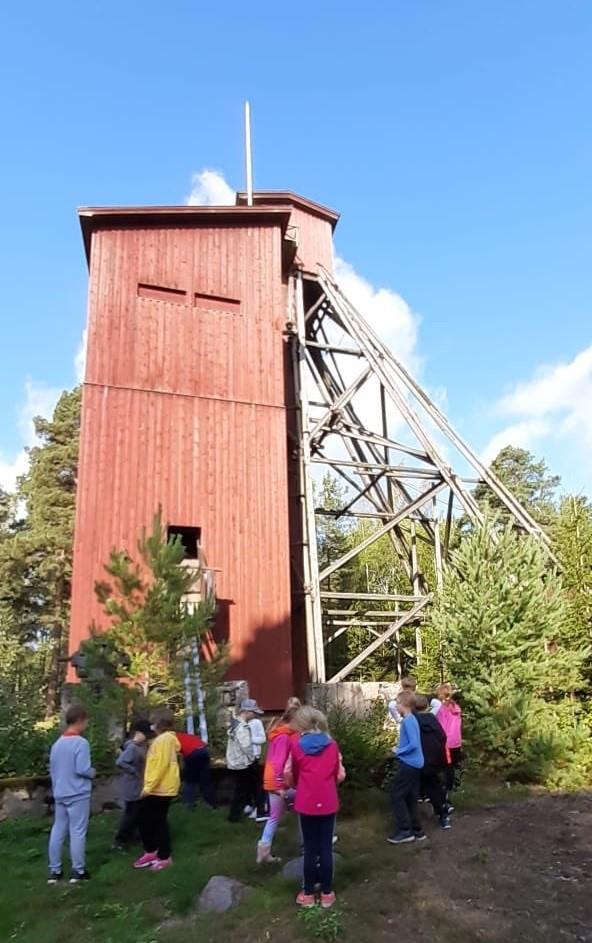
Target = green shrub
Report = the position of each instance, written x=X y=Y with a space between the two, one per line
x=321 y=924
x=24 y=745
x=365 y=743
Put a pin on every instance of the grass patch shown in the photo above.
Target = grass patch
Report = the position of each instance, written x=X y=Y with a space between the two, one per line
x=377 y=884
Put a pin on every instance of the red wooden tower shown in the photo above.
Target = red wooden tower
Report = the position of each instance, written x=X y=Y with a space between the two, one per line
x=186 y=405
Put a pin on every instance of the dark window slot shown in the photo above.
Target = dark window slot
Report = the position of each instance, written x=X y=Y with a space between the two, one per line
x=215 y=302
x=158 y=293
x=190 y=538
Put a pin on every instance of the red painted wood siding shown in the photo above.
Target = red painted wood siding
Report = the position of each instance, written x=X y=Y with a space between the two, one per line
x=184 y=405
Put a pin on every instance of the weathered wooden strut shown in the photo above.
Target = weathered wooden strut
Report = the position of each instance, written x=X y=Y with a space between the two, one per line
x=363 y=416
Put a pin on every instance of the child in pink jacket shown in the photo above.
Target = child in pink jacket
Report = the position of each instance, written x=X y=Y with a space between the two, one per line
x=316 y=771
x=449 y=717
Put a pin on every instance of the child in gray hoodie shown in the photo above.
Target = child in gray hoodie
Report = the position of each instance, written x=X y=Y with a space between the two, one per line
x=71 y=781
x=132 y=761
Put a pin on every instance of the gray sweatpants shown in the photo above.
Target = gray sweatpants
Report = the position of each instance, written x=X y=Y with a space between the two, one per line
x=71 y=818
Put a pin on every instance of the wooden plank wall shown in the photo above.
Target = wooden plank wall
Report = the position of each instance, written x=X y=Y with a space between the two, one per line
x=184 y=406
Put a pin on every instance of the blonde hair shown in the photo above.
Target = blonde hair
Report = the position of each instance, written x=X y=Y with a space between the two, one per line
x=310 y=720
x=292 y=707
x=444 y=691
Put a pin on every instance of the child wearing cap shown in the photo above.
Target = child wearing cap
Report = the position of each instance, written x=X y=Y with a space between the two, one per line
x=241 y=757
x=132 y=761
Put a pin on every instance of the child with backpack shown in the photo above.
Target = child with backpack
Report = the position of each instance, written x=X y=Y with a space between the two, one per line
x=240 y=757
x=433 y=747
x=316 y=772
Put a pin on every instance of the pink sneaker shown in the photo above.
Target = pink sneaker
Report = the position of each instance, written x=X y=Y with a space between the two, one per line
x=305 y=900
x=146 y=861
x=327 y=900
x=161 y=863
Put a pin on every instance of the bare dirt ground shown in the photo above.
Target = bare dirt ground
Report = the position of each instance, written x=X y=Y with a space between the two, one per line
x=514 y=871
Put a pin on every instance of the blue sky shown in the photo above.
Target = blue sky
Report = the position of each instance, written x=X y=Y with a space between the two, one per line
x=455 y=138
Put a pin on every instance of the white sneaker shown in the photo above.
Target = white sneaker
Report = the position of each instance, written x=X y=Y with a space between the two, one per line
x=253 y=815
x=248 y=809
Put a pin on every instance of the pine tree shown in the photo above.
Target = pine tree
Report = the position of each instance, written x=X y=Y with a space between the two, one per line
x=151 y=621
x=508 y=647
x=49 y=490
x=528 y=480
x=36 y=550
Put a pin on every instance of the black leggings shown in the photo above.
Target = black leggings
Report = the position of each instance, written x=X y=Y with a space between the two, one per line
x=245 y=786
x=154 y=828
x=453 y=771
x=433 y=787
x=129 y=822
x=317 y=835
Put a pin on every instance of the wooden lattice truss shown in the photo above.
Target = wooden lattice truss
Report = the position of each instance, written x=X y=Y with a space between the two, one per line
x=364 y=417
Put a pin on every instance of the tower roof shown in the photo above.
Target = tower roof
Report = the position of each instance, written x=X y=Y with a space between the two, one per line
x=268 y=206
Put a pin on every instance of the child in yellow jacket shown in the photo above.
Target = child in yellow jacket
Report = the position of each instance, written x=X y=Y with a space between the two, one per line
x=161 y=784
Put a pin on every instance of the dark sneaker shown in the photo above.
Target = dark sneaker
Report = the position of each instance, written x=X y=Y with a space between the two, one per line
x=401 y=838
x=420 y=836
x=449 y=809
x=445 y=822
x=55 y=876
x=79 y=876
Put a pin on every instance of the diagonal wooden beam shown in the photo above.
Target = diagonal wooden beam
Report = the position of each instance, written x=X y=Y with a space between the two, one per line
x=341 y=401
x=377 y=642
x=403 y=513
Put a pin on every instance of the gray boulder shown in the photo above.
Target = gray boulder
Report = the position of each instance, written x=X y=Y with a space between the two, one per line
x=292 y=870
x=221 y=894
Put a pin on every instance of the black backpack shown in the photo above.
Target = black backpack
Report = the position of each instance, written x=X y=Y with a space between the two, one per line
x=433 y=741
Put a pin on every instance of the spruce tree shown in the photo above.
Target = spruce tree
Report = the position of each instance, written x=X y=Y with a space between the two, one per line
x=573 y=544
x=507 y=646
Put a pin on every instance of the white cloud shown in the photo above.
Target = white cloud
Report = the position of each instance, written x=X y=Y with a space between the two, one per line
x=524 y=435
x=11 y=469
x=209 y=188
x=80 y=358
x=388 y=313
x=40 y=400
x=553 y=407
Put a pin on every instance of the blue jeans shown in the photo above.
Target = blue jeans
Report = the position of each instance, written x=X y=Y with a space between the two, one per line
x=71 y=818
x=317 y=834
